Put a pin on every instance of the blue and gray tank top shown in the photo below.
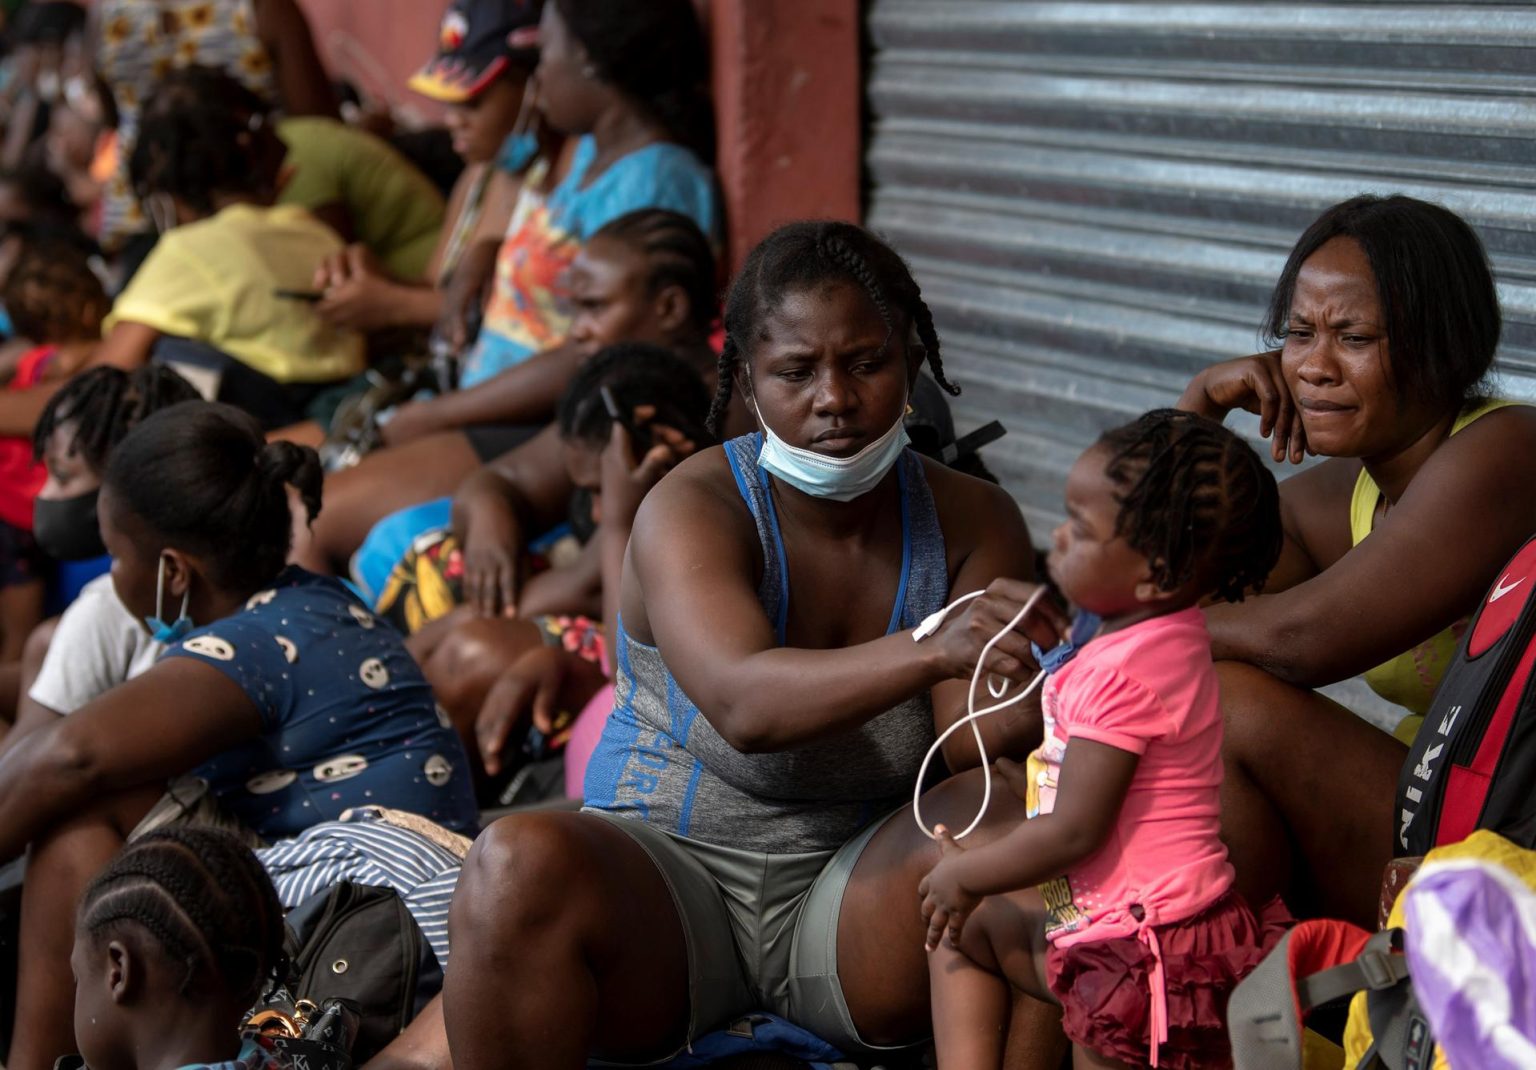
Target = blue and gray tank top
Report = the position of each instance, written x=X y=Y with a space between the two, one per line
x=659 y=761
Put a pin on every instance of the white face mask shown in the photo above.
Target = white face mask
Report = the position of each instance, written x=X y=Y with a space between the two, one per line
x=841 y=479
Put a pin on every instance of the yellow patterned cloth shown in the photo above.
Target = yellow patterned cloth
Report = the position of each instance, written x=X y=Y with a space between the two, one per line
x=142 y=41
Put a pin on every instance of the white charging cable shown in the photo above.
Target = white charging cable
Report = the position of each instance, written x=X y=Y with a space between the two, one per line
x=930 y=625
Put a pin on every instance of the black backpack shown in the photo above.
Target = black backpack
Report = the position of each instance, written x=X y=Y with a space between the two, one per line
x=1473 y=765
x=360 y=944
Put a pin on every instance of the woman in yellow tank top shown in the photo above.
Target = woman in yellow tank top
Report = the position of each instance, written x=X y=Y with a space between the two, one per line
x=1387 y=321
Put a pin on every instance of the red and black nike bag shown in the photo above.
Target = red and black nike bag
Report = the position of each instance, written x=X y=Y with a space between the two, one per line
x=1473 y=765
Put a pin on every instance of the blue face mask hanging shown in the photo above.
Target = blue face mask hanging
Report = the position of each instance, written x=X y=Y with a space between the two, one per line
x=160 y=631
x=841 y=479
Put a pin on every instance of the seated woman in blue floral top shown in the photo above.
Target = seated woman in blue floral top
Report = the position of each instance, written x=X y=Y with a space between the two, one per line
x=280 y=703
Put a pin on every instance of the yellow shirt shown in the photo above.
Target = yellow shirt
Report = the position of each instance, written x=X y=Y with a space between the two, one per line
x=214 y=280
x=1410 y=678
x=395 y=209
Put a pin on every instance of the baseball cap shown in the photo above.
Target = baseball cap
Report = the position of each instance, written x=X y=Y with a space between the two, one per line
x=477 y=41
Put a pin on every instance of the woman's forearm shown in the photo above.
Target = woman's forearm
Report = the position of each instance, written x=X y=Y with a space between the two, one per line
x=784 y=697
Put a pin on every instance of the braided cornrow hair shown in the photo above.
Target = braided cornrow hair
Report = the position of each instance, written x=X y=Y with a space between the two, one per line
x=104 y=404
x=678 y=254
x=203 y=897
x=1196 y=501
x=801 y=256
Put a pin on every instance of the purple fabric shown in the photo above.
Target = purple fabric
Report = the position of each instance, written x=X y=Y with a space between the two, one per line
x=1471 y=944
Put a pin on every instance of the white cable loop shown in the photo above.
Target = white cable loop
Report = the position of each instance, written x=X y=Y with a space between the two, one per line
x=995 y=688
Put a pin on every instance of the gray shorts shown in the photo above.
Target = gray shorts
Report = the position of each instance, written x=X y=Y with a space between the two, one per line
x=761 y=930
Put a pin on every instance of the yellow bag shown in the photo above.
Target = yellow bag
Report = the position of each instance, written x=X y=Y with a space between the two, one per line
x=1483 y=845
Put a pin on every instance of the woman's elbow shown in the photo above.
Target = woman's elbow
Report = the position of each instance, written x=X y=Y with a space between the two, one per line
x=744 y=729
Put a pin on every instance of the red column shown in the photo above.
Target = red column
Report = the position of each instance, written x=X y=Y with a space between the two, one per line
x=787 y=90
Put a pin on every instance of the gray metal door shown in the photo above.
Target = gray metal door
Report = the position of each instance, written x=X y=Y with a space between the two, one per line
x=1097 y=197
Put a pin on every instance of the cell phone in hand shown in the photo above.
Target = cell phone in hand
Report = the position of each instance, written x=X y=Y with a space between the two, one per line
x=640 y=441
x=311 y=296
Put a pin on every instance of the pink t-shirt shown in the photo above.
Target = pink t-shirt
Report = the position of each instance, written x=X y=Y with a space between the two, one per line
x=1150 y=689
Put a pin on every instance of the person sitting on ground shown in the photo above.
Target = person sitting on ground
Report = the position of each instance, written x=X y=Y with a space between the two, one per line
x=1143 y=938
x=56 y=302
x=1387 y=321
x=772 y=709
x=81 y=145
x=96 y=643
x=46 y=41
x=175 y=941
x=230 y=270
x=306 y=703
x=487 y=52
x=560 y=609
x=352 y=181
x=648 y=276
x=623 y=77
x=266 y=44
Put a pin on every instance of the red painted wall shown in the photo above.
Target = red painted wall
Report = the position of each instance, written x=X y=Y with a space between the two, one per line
x=377 y=45
x=787 y=92
x=787 y=88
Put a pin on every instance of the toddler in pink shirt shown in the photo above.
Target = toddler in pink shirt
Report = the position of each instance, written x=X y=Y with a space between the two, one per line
x=1120 y=878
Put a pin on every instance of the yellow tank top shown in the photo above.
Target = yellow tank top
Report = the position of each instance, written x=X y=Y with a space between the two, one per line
x=1410 y=678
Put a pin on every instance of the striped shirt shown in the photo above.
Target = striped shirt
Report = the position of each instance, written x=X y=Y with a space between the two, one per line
x=365 y=849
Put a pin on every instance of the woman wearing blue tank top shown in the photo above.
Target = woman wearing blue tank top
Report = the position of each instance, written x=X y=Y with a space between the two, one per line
x=737 y=852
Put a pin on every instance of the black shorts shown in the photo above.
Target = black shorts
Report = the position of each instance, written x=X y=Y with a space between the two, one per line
x=490 y=441
x=21 y=559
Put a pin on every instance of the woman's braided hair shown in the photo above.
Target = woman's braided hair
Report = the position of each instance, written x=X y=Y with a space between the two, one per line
x=104 y=404
x=801 y=256
x=677 y=254
x=1196 y=501
x=203 y=897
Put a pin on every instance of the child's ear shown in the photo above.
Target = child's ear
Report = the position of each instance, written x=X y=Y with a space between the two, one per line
x=122 y=971
x=672 y=308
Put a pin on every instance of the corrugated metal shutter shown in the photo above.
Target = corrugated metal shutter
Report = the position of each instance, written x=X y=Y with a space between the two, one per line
x=1097 y=197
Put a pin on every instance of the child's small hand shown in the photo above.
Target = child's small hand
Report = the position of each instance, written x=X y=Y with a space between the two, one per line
x=1015 y=774
x=946 y=905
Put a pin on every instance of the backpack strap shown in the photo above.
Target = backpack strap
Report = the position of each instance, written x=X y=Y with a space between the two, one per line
x=1377 y=968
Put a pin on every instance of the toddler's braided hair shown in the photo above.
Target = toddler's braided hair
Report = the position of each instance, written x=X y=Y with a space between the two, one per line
x=802 y=256
x=1196 y=501
x=104 y=404
x=203 y=898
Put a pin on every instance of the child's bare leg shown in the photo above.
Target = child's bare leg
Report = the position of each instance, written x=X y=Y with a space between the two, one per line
x=1083 y=1059
x=1003 y=944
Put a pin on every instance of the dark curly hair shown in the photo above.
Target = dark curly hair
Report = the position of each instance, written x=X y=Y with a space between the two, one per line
x=1438 y=302
x=1196 y=501
x=203 y=898
x=205 y=133
x=202 y=478
x=801 y=256
x=53 y=296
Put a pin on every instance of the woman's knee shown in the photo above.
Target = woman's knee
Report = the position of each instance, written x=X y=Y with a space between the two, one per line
x=522 y=870
x=464 y=665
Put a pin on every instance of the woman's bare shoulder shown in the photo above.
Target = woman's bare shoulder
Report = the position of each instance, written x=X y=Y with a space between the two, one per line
x=974 y=513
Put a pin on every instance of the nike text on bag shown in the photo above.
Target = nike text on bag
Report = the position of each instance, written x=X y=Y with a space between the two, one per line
x=1474 y=762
